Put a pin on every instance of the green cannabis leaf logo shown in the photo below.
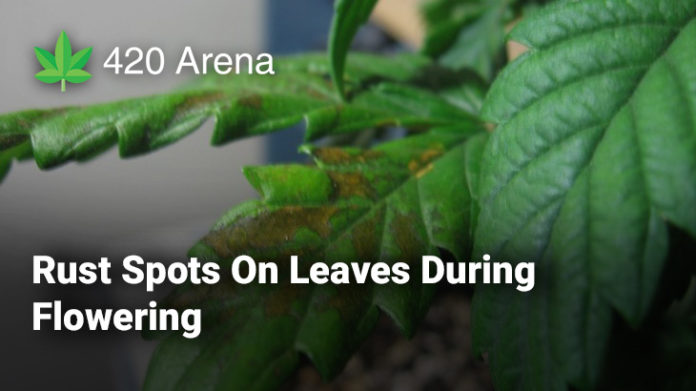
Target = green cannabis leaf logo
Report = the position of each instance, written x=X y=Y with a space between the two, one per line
x=64 y=66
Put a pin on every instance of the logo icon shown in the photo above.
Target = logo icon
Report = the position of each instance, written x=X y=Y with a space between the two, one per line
x=63 y=66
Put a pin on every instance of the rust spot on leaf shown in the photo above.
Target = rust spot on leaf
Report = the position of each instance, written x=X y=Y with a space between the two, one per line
x=195 y=103
x=314 y=93
x=366 y=236
x=349 y=300
x=420 y=165
x=199 y=100
x=279 y=302
x=214 y=298
x=269 y=230
x=339 y=156
x=350 y=184
x=410 y=244
x=254 y=101
x=10 y=140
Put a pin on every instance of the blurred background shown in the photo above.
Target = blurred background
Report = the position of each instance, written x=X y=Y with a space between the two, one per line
x=155 y=206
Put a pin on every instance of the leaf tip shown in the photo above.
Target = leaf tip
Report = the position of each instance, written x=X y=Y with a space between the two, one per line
x=252 y=175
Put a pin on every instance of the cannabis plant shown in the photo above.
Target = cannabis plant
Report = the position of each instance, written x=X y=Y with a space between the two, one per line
x=580 y=155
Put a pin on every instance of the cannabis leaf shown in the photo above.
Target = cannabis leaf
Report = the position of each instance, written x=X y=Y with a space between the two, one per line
x=349 y=15
x=64 y=66
x=595 y=151
x=468 y=33
x=395 y=202
x=389 y=91
x=471 y=33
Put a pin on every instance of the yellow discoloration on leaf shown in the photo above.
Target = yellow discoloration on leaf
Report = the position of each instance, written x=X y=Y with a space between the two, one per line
x=420 y=165
x=432 y=153
x=424 y=170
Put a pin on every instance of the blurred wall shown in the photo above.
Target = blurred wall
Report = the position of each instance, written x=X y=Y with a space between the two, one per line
x=155 y=206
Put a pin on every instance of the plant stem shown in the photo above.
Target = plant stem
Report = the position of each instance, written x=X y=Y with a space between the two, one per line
x=62 y=85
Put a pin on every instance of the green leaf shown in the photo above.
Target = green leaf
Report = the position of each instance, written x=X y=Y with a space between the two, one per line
x=13 y=142
x=471 y=33
x=669 y=339
x=63 y=53
x=349 y=15
x=468 y=33
x=46 y=59
x=594 y=151
x=394 y=91
x=49 y=76
x=77 y=76
x=79 y=60
x=384 y=204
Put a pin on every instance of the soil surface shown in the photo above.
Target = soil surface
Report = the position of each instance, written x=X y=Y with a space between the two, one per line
x=438 y=358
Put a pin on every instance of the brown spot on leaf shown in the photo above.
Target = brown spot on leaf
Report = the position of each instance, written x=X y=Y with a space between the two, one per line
x=199 y=100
